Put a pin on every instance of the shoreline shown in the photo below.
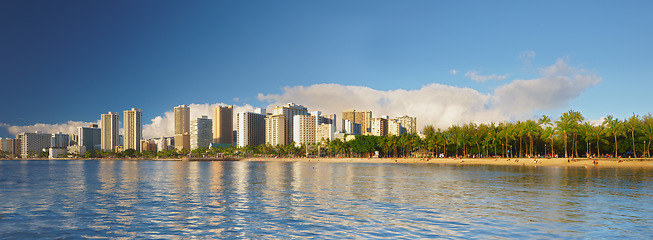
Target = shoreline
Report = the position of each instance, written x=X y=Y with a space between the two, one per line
x=560 y=162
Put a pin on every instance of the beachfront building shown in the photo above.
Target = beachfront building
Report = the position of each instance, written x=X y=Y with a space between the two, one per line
x=395 y=128
x=303 y=129
x=148 y=145
x=11 y=146
x=351 y=128
x=201 y=132
x=324 y=132
x=408 y=123
x=133 y=125
x=90 y=137
x=31 y=144
x=59 y=140
x=275 y=126
x=289 y=111
x=164 y=143
x=363 y=118
x=250 y=127
x=379 y=126
x=182 y=127
x=110 y=138
x=223 y=124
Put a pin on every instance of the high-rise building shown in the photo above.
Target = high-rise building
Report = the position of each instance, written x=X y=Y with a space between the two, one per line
x=289 y=111
x=201 y=133
x=351 y=128
x=182 y=127
x=110 y=131
x=303 y=129
x=251 y=128
x=409 y=123
x=395 y=128
x=133 y=121
x=31 y=144
x=275 y=126
x=379 y=126
x=11 y=146
x=324 y=132
x=223 y=124
x=90 y=137
x=363 y=118
x=59 y=140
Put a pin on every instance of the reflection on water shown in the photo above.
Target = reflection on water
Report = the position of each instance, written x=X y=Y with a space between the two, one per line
x=160 y=199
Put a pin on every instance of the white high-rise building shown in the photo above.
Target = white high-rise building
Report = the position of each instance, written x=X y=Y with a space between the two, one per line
x=409 y=123
x=379 y=126
x=201 y=132
x=133 y=124
x=289 y=111
x=395 y=128
x=351 y=128
x=303 y=129
x=324 y=132
x=110 y=127
x=250 y=128
x=275 y=126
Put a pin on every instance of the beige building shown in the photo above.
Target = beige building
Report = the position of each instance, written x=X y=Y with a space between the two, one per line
x=182 y=127
x=110 y=137
x=324 y=132
x=31 y=144
x=408 y=123
x=223 y=124
x=363 y=118
x=148 y=145
x=201 y=134
x=275 y=126
x=379 y=126
x=303 y=129
x=289 y=111
x=11 y=146
x=133 y=124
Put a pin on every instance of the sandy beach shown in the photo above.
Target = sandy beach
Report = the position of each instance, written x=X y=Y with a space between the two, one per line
x=578 y=162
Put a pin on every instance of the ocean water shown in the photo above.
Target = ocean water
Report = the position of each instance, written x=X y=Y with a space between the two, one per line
x=181 y=200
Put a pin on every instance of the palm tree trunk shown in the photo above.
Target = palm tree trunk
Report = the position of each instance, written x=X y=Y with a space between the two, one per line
x=598 y=152
x=615 y=145
x=565 y=133
x=632 y=133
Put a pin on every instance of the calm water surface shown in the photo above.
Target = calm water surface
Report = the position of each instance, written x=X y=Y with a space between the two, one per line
x=172 y=200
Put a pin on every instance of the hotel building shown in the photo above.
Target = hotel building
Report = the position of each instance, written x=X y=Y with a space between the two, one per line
x=275 y=126
x=303 y=129
x=289 y=111
x=201 y=134
x=110 y=127
x=363 y=118
x=182 y=127
x=223 y=124
x=250 y=127
x=133 y=124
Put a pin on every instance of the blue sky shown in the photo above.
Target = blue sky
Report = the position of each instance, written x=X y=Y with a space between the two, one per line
x=66 y=61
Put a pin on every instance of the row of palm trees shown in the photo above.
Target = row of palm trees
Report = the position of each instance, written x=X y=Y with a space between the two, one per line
x=569 y=136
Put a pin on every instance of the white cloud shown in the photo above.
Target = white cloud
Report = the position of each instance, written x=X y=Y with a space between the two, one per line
x=443 y=105
x=236 y=99
x=69 y=127
x=481 y=78
x=526 y=56
x=453 y=71
x=595 y=122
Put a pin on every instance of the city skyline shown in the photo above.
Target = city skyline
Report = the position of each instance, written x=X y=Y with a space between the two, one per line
x=442 y=62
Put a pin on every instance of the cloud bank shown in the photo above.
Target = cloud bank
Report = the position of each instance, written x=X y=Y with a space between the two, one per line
x=442 y=105
x=436 y=104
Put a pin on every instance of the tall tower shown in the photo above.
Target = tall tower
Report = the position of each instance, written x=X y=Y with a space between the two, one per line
x=133 y=124
x=223 y=124
x=275 y=126
x=363 y=118
x=182 y=127
x=200 y=133
x=110 y=127
x=289 y=111
x=251 y=128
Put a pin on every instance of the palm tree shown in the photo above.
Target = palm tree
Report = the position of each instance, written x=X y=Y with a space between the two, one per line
x=564 y=125
x=546 y=121
x=633 y=124
x=647 y=131
x=597 y=133
x=530 y=128
x=615 y=128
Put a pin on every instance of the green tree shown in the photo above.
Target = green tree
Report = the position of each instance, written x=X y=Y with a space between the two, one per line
x=549 y=131
x=615 y=128
x=633 y=124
